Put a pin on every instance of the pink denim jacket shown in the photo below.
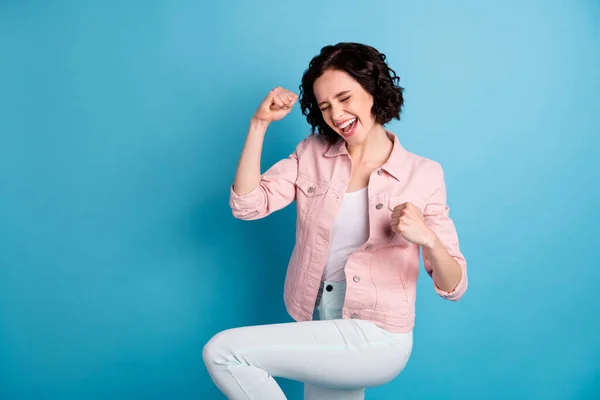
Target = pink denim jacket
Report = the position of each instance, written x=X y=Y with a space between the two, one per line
x=382 y=274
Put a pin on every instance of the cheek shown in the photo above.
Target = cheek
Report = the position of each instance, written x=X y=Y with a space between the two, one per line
x=364 y=110
x=367 y=117
x=327 y=118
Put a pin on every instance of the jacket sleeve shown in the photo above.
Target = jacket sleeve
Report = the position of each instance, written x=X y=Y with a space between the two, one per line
x=276 y=189
x=437 y=217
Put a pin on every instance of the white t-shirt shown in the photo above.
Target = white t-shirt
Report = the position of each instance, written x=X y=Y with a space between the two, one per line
x=350 y=231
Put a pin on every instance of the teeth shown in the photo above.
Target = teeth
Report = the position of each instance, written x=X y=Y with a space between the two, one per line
x=347 y=123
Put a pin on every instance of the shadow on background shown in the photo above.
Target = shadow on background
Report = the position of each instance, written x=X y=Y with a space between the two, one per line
x=253 y=293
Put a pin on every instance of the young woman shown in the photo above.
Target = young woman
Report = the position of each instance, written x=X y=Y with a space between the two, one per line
x=366 y=207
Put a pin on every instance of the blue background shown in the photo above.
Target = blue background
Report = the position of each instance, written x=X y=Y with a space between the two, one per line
x=120 y=128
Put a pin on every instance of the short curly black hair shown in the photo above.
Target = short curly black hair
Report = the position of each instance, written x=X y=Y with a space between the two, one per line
x=368 y=67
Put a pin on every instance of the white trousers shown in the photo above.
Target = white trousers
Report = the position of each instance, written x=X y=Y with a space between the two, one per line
x=336 y=358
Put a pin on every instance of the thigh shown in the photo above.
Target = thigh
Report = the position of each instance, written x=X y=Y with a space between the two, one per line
x=334 y=354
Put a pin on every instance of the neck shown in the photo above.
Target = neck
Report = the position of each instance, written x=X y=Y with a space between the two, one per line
x=375 y=148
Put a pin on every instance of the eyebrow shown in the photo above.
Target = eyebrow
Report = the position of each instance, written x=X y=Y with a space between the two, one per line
x=337 y=95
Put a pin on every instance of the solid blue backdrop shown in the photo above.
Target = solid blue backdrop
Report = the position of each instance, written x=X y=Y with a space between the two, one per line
x=120 y=128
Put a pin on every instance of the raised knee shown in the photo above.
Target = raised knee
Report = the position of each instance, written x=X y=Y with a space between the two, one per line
x=211 y=350
x=217 y=349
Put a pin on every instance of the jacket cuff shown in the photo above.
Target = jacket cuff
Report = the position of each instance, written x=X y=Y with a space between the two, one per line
x=458 y=291
x=244 y=202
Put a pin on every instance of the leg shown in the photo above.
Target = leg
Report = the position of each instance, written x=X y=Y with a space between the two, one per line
x=335 y=354
x=329 y=306
x=312 y=392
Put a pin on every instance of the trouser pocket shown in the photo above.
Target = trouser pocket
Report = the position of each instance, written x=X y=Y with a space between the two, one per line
x=330 y=300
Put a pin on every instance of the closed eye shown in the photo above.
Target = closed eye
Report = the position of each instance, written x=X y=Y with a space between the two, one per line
x=342 y=100
x=340 y=94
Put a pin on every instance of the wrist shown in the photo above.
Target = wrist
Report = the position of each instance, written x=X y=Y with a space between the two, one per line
x=431 y=241
x=259 y=124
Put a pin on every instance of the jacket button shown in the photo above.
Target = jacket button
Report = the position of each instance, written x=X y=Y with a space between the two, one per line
x=329 y=288
x=379 y=206
x=354 y=316
x=356 y=279
x=311 y=189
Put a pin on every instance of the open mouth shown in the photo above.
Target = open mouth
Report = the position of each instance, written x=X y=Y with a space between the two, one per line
x=349 y=127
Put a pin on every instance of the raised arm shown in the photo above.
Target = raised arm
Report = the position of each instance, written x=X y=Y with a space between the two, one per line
x=253 y=195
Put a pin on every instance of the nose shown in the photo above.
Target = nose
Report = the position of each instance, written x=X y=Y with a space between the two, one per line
x=336 y=112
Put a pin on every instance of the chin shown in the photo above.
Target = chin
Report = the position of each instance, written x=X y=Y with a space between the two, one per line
x=354 y=139
x=357 y=138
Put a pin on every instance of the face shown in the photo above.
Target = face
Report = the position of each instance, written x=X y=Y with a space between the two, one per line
x=345 y=105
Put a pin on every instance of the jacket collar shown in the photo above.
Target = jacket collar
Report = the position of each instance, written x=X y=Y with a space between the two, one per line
x=394 y=164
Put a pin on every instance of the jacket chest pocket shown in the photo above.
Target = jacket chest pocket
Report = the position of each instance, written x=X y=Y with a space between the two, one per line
x=309 y=196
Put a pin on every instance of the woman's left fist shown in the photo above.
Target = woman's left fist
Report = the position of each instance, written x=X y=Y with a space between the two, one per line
x=408 y=221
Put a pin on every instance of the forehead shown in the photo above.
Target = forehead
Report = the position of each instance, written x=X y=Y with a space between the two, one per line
x=333 y=82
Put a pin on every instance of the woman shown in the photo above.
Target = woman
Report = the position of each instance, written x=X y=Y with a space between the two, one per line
x=365 y=208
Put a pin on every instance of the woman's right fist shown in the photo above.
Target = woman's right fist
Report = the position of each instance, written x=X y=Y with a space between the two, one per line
x=276 y=105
